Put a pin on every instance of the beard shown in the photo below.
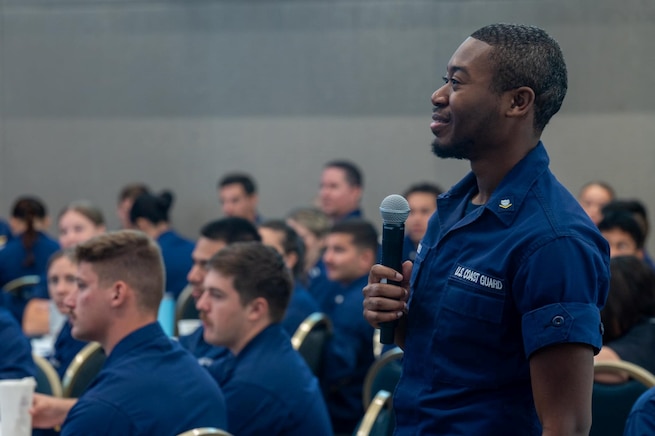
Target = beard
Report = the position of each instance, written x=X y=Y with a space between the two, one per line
x=457 y=150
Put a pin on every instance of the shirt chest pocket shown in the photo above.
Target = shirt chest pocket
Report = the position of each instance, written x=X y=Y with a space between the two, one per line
x=472 y=302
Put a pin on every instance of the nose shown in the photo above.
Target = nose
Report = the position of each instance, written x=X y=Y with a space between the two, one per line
x=70 y=299
x=440 y=96
x=201 y=302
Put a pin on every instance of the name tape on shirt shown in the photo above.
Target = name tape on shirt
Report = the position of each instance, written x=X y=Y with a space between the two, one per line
x=466 y=274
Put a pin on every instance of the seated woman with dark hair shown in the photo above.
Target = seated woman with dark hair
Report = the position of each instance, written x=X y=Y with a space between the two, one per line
x=629 y=315
x=27 y=254
x=150 y=214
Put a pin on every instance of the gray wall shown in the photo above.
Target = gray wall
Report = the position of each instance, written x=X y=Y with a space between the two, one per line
x=94 y=94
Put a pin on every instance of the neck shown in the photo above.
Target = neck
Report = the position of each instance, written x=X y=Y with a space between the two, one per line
x=156 y=230
x=492 y=168
x=248 y=337
x=122 y=327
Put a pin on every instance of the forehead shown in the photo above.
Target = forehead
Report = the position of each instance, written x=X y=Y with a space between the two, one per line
x=334 y=175
x=73 y=217
x=471 y=57
x=422 y=198
x=341 y=239
x=206 y=248
x=215 y=279
x=233 y=190
x=61 y=263
x=86 y=272
x=617 y=234
x=271 y=237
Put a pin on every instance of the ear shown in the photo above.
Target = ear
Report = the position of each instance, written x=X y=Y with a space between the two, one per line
x=291 y=260
x=141 y=223
x=119 y=293
x=521 y=102
x=367 y=258
x=258 y=309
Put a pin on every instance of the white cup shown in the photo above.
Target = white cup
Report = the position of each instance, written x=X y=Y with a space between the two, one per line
x=15 y=402
x=187 y=326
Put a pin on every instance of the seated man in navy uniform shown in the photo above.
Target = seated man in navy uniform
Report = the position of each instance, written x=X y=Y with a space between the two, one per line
x=120 y=280
x=351 y=249
x=213 y=236
x=269 y=389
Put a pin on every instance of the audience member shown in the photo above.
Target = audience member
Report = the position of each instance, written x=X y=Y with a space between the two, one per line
x=237 y=193
x=351 y=250
x=311 y=225
x=61 y=283
x=26 y=254
x=214 y=236
x=139 y=390
x=268 y=387
x=79 y=221
x=15 y=351
x=126 y=198
x=341 y=189
x=593 y=196
x=623 y=234
x=629 y=315
x=150 y=214
x=502 y=318
x=638 y=211
x=422 y=199
x=284 y=239
x=5 y=233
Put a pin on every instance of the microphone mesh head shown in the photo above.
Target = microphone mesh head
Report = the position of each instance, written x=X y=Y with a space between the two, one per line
x=394 y=209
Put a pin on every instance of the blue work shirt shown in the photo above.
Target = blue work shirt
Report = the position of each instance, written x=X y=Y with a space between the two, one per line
x=176 y=252
x=301 y=305
x=65 y=349
x=349 y=354
x=489 y=288
x=206 y=353
x=409 y=249
x=148 y=385
x=269 y=390
x=11 y=267
x=641 y=421
x=317 y=278
x=15 y=350
x=5 y=233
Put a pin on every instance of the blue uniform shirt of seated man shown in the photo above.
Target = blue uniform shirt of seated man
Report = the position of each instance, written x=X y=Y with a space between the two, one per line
x=16 y=361
x=268 y=387
x=351 y=250
x=139 y=390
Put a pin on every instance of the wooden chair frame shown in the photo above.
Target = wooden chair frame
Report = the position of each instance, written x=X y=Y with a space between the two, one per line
x=72 y=372
x=383 y=399
x=634 y=371
x=205 y=431
x=390 y=355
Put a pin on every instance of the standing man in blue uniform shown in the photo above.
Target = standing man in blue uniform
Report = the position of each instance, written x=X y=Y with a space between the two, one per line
x=501 y=318
x=139 y=389
x=269 y=389
x=350 y=252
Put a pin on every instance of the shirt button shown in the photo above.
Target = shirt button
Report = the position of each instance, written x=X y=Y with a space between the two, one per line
x=557 y=320
x=338 y=299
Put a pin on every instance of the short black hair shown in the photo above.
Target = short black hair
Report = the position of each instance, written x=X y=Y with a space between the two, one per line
x=633 y=206
x=291 y=243
x=623 y=220
x=230 y=230
x=527 y=56
x=354 y=175
x=363 y=233
x=154 y=208
x=243 y=179
x=426 y=187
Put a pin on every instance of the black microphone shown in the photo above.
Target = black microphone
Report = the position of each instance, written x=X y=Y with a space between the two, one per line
x=394 y=210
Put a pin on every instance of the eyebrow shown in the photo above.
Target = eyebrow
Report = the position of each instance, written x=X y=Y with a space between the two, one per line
x=454 y=69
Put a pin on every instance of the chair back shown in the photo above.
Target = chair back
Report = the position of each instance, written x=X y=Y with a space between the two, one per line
x=21 y=286
x=382 y=375
x=47 y=379
x=611 y=403
x=205 y=431
x=83 y=369
x=185 y=307
x=310 y=339
x=379 y=419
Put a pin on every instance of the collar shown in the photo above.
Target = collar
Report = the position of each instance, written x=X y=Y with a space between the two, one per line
x=505 y=201
x=139 y=338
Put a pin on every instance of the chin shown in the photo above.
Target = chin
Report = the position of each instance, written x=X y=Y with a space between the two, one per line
x=456 y=151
